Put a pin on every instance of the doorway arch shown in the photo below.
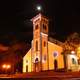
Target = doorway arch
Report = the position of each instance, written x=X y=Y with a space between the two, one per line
x=36 y=65
x=55 y=64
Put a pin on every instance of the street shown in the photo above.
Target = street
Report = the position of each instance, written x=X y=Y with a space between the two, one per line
x=49 y=75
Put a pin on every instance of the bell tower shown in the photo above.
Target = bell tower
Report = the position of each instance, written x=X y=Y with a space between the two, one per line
x=40 y=43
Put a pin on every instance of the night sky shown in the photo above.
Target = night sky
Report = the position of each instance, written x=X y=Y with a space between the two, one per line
x=15 y=24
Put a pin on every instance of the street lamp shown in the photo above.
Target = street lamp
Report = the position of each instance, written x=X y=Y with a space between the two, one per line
x=72 y=52
x=6 y=67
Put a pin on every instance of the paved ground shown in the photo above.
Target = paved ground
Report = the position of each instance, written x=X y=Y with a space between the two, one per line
x=48 y=75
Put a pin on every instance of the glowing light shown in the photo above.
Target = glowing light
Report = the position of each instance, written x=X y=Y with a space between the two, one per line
x=78 y=48
x=39 y=8
x=72 y=52
x=8 y=66
x=4 y=66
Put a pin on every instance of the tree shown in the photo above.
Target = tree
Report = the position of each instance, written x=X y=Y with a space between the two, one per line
x=72 y=42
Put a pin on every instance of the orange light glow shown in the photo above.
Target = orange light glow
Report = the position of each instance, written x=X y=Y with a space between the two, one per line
x=78 y=48
x=4 y=66
x=8 y=66
x=73 y=52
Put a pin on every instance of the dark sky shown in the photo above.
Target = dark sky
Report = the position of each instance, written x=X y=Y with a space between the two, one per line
x=15 y=15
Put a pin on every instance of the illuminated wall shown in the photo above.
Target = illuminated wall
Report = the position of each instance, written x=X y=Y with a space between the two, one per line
x=78 y=52
x=52 y=48
x=72 y=62
x=27 y=62
x=44 y=52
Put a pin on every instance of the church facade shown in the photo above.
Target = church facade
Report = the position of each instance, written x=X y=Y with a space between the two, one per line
x=45 y=53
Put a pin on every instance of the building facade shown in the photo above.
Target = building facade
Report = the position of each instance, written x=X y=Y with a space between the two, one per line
x=45 y=53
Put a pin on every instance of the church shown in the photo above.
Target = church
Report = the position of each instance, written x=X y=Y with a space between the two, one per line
x=47 y=53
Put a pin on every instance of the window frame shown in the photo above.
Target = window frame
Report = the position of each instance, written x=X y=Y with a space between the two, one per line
x=36 y=26
x=36 y=45
x=73 y=61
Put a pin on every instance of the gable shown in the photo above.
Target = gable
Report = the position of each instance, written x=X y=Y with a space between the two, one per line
x=54 y=47
x=27 y=54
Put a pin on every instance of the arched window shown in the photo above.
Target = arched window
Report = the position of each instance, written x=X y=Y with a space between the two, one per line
x=36 y=27
x=55 y=64
x=73 y=61
x=26 y=61
x=79 y=61
x=44 y=27
x=36 y=45
x=44 y=43
x=36 y=60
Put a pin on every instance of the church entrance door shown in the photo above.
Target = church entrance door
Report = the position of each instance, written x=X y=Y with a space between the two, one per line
x=55 y=65
x=36 y=65
x=26 y=68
